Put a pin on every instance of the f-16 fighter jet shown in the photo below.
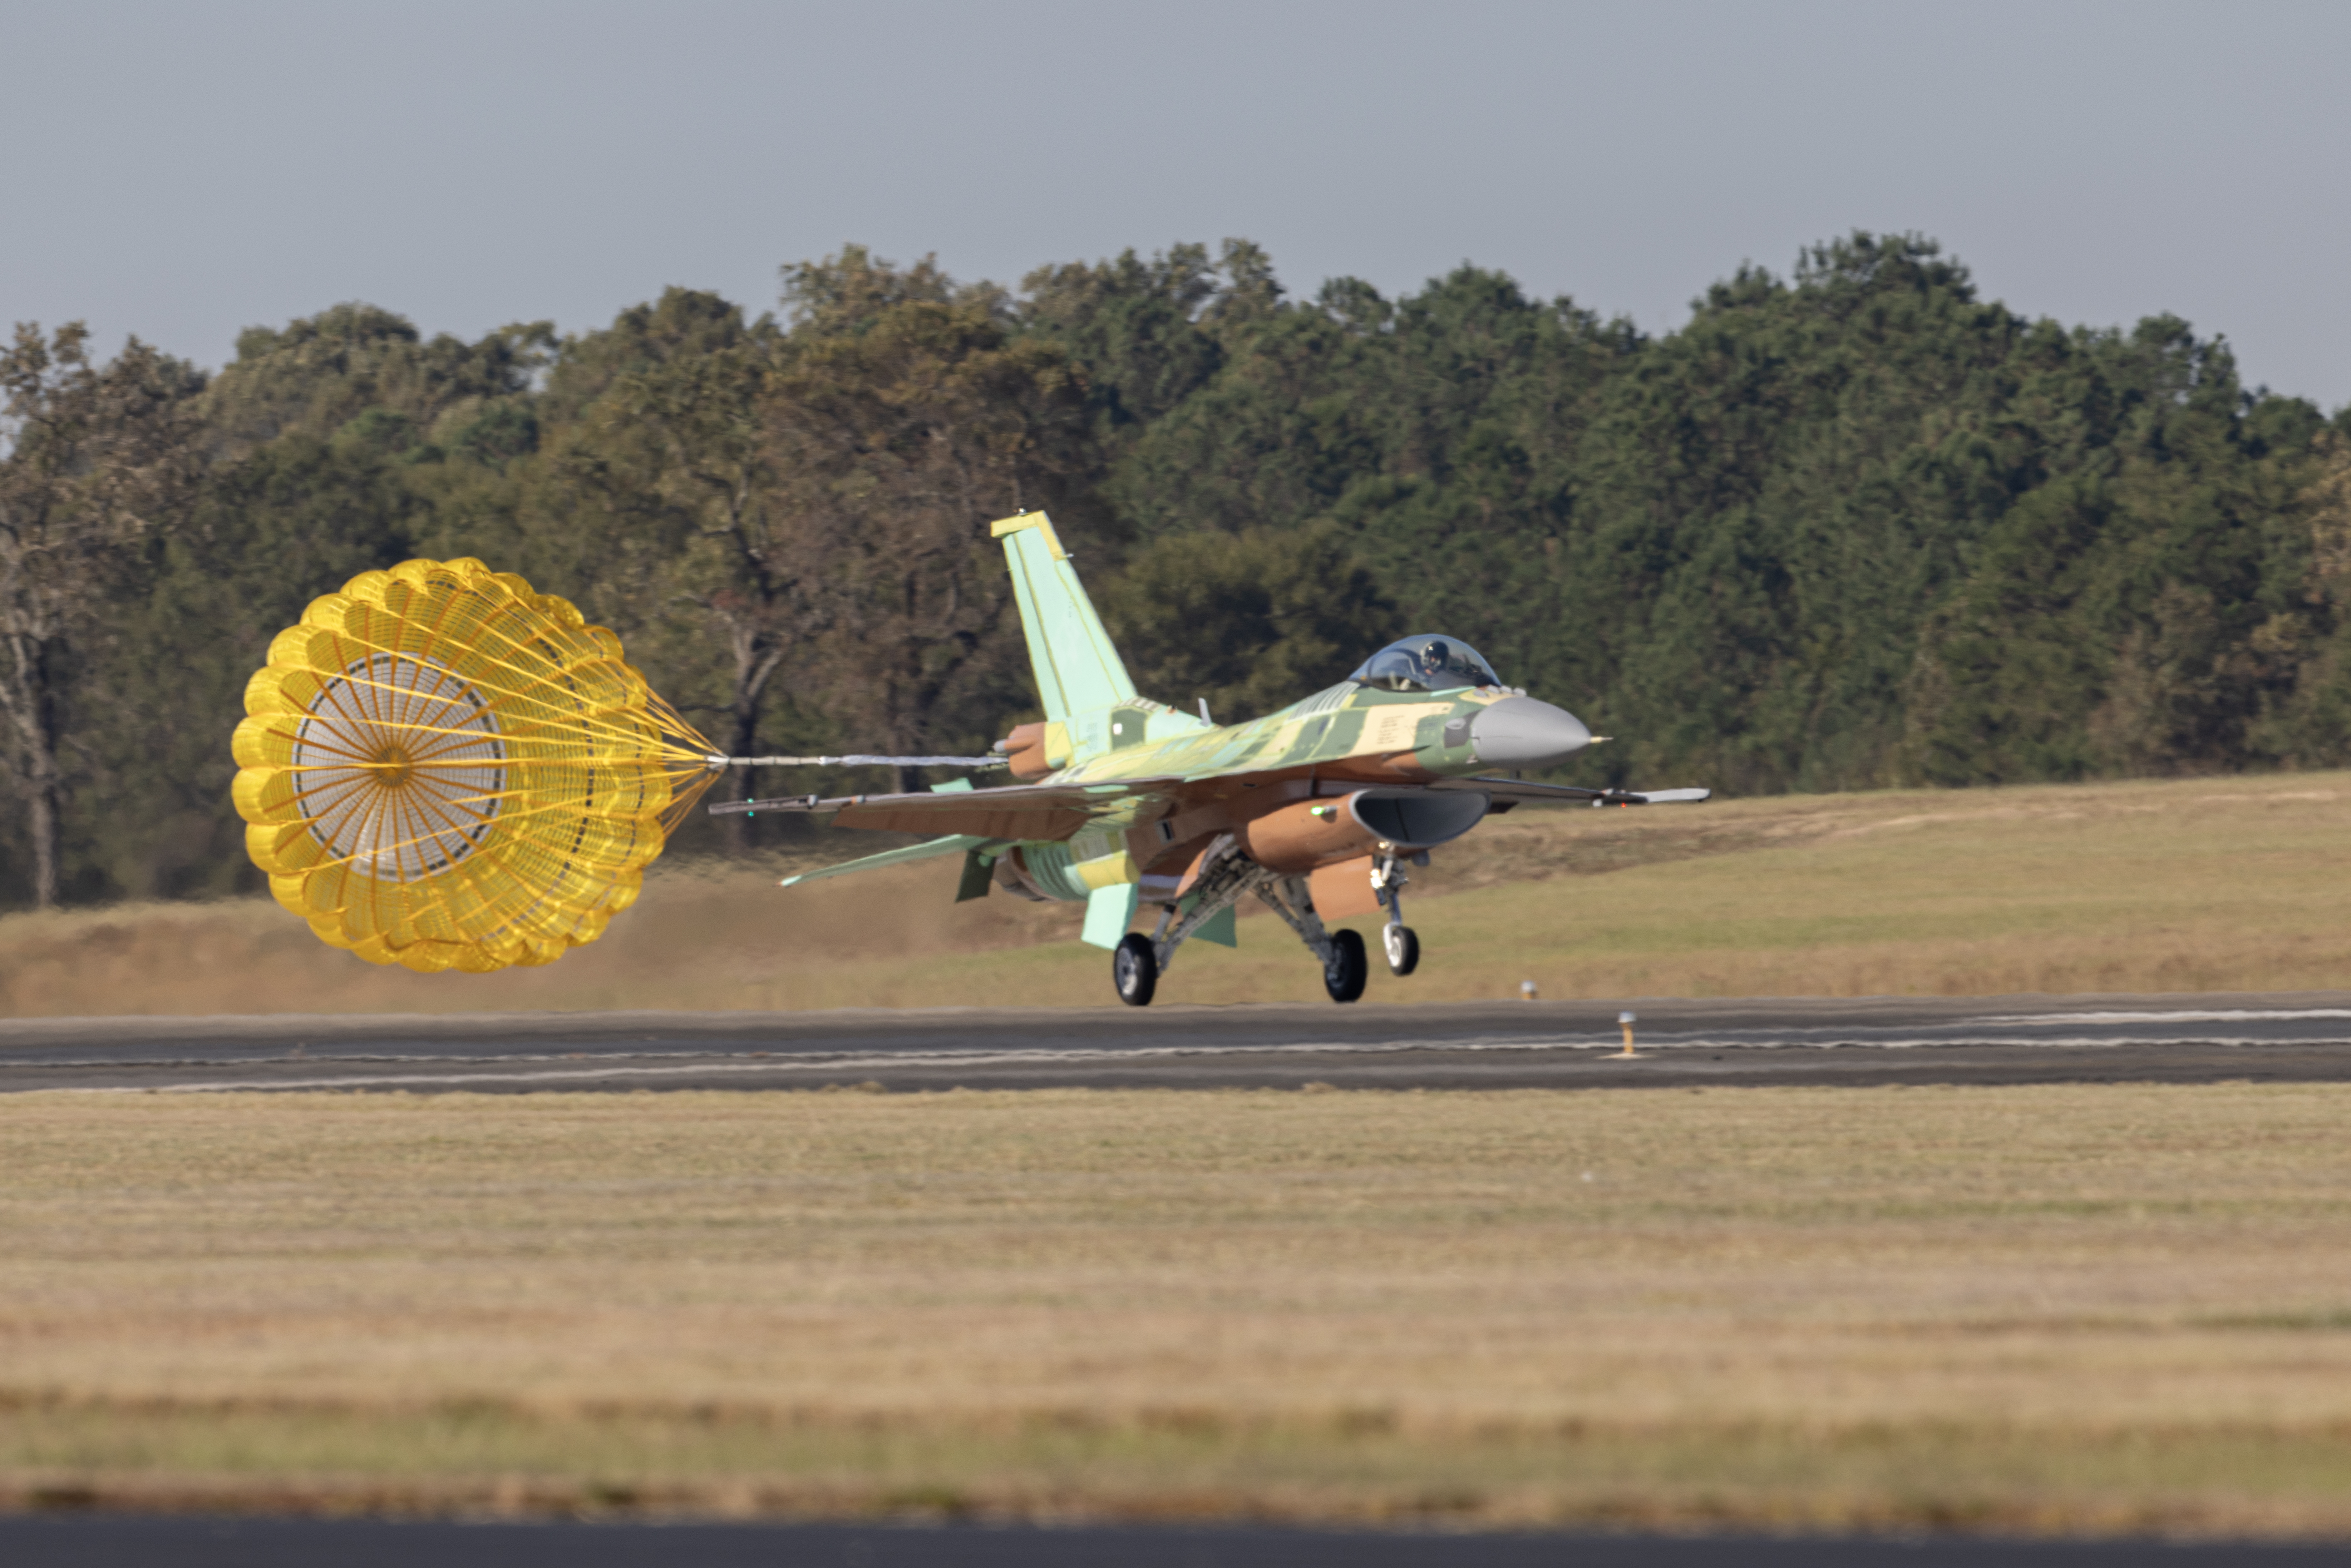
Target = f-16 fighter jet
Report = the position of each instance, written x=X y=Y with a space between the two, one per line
x=1317 y=811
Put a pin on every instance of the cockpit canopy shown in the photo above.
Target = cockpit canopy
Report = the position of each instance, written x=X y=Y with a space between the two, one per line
x=1426 y=662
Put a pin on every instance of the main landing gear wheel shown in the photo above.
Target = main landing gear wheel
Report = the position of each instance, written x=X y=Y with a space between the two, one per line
x=1403 y=949
x=1134 y=969
x=1345 y=971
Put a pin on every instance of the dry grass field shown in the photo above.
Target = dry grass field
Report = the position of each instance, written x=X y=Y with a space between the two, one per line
x=2180 y=885
x=2045 y=1310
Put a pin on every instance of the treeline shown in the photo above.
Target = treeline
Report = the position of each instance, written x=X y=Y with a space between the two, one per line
x=1851 y=527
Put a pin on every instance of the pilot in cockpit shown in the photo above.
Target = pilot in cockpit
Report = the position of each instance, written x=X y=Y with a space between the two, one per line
x=1427 y=665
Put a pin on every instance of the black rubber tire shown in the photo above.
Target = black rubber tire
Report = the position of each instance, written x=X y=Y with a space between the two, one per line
x=1344 y=974
x=1134 y=969
x=1402 y=946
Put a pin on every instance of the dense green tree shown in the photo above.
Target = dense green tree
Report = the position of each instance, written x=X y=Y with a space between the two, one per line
x=100 y=460
x=270 y=533
x=1769 y=499
x=356 y=363
x=657 y=507
x=785 y=521
x=1136 y=327
x=2149 y=609
x=1247 y=623
x=898 y=442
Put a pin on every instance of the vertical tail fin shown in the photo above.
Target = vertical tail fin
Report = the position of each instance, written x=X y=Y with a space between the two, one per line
x=1077 y=671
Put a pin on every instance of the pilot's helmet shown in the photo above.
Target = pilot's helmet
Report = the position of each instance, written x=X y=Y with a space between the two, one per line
x=1436 y=654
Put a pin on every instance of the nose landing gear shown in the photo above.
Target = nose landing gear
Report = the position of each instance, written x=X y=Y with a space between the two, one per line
x=1398 y=940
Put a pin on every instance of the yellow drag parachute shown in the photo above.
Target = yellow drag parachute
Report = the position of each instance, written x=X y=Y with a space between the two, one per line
x=443 y=768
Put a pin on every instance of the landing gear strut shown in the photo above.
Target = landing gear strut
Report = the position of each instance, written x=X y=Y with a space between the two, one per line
x=1342 y=951
x=1396 y=939
x=1225 y=876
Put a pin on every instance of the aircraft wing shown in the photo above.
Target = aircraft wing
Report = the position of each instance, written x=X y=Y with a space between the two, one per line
x=1519 y=792
x=1033 y=813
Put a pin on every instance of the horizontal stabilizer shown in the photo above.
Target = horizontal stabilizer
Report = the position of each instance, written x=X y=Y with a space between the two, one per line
x=961 y=844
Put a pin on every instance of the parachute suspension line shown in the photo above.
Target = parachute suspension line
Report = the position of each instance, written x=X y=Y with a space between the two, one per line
x=682 y=740
x=690 y=773
x=390 y=802
x=547 y=655
x=673 y=741
x=426 y=811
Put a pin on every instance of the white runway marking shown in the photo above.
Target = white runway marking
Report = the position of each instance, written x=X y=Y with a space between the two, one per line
x=505 y=1072
x=2233 y=1015
x=818 y=1062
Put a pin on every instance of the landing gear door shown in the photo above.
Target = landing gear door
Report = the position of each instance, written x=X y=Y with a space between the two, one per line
x=1345 y=889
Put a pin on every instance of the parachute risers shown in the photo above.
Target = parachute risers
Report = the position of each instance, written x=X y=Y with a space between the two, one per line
x=441 y=769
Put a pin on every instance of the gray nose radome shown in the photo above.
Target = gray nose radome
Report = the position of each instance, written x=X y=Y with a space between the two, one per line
x=1519 y=732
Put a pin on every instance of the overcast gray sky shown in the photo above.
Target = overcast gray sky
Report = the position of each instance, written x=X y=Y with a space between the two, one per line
x=183 y=170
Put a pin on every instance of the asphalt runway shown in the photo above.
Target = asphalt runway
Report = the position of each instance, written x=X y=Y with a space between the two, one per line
x=2283 y=1036
x=304 y=1543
